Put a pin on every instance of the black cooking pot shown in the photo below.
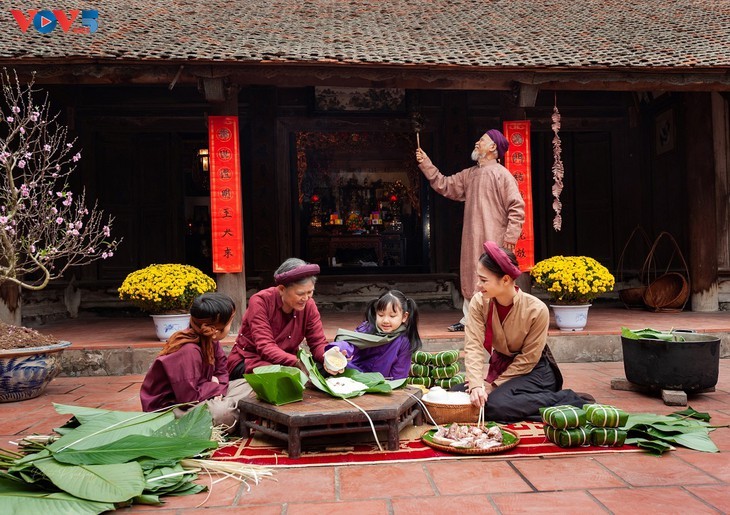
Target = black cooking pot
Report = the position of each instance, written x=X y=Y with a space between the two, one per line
x=690 y=365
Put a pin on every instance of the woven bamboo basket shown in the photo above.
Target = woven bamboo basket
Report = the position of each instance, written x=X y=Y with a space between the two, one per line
x=632 y=297
x=667 y=292
x=448 y=413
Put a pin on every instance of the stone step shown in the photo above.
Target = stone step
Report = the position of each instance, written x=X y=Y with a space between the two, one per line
x=137 y=359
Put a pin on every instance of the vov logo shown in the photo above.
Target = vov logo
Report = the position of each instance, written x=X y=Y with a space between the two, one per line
x=45 y=20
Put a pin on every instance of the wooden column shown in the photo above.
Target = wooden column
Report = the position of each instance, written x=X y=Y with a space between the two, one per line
x=700 y=171
x=721 y=138
x=226 y=104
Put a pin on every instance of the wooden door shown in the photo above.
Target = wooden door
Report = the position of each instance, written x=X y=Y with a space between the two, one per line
x=587 y=210
x=139 y=182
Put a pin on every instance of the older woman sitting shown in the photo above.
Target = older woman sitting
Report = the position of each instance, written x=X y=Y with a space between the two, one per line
x=277 y=320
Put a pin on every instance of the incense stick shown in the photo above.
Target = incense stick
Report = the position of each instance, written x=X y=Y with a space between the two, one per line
x=418 y=139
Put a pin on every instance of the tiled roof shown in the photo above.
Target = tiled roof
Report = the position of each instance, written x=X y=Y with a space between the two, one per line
x=458 y=33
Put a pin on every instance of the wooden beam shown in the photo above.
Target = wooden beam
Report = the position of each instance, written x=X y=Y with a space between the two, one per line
x=377 y=76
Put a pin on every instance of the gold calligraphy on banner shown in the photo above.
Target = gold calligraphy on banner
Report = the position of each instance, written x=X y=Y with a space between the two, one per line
x=225 y=194
x=519 y=162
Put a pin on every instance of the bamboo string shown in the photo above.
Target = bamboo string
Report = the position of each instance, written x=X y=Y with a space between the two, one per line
x=372 y=426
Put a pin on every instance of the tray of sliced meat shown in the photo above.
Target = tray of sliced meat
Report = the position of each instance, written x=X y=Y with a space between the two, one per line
x=457 y=438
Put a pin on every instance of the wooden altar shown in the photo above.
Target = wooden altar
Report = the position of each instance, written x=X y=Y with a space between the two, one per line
x=388 y=249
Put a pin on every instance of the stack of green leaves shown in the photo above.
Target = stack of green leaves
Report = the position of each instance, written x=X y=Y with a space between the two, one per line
x=374 y=381
x=106 y=459
x=651 y=334
x=656 y=433
x=435 y=369
x=565 y=425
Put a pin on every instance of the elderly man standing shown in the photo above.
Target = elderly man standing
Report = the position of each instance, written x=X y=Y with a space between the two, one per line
x=494 y=209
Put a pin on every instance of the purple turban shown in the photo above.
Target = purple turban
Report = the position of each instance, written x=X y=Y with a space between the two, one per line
x=499 y=256
x=500 y=141
x=296 y=274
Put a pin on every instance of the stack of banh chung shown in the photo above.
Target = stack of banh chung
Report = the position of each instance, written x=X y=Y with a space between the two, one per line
x=437 y=369
x=594 y=424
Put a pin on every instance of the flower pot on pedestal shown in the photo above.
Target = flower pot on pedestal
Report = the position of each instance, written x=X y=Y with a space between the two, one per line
x=166 y=325
x=570 y=317
x=25 y=372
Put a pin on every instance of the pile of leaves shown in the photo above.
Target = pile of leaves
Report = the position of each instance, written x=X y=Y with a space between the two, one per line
x=658 y=433
x=105 y=460
x=651 y=334
x=15 y=337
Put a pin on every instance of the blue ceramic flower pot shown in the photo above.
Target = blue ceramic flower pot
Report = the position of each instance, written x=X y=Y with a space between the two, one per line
x=25 y=373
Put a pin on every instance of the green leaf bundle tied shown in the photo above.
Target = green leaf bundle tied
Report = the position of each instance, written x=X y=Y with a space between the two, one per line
x=602 y=415
x=571 y=437
x=563 y=417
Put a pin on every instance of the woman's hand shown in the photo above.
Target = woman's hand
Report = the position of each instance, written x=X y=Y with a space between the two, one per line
x=215 y=380
x=478 y=396
x=420 y=155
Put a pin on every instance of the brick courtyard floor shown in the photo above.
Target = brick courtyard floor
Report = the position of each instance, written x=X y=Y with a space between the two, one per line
x=682 y=481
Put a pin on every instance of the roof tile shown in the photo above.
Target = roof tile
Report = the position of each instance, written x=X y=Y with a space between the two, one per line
x=468 y=33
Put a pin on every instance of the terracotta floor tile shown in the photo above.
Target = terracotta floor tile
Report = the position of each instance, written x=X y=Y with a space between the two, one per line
x=715 y=464
x=15 y=426
x=384 y=481
x=46 y=424
x=707 y=401
x=374 y=507
x=718 y=495
x=567 y=474
x=98 y=399
x=269 y=509
x=565 y=503
x=475 y=477
x=101 y=388
x=292 y=485
x=128 y=405
x=647 y=470
x=667 y=501
x=471 y=504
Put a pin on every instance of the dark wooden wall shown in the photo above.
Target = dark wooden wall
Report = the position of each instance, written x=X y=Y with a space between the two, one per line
x=615 y=178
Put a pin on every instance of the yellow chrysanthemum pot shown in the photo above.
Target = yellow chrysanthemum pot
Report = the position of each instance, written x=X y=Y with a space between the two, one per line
x=572 y=282
x=166 y=291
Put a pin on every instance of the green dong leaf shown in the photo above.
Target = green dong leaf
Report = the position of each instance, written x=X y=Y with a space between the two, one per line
x=21 y=498
x=133 y=447
x=103 y=483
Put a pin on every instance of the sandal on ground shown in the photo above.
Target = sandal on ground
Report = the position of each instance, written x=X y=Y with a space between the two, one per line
x=458 y=326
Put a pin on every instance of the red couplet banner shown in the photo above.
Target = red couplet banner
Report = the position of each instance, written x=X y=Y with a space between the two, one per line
x=518 y=161
x=225 y=194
